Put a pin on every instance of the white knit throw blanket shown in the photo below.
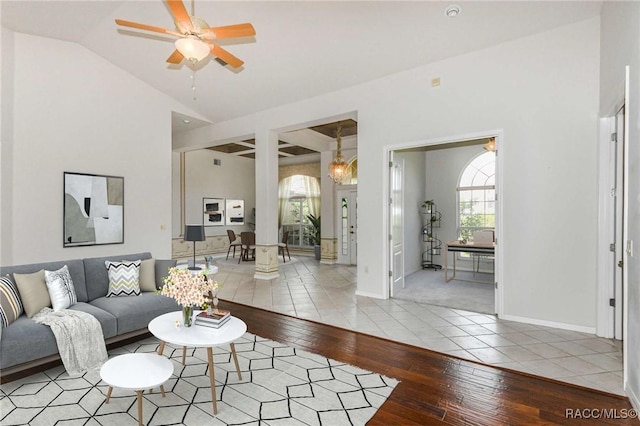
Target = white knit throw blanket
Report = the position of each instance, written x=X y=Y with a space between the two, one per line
x=79 y=337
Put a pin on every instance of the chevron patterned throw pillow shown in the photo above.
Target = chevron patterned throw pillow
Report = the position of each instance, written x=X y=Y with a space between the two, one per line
x=124 y=278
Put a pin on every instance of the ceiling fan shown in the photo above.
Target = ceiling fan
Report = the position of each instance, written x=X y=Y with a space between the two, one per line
x=196 y=39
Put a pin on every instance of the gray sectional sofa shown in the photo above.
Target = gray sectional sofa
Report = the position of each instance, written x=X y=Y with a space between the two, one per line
x=25 y=344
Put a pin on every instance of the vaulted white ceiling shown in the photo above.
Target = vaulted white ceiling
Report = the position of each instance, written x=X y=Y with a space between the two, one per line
x=301 y=49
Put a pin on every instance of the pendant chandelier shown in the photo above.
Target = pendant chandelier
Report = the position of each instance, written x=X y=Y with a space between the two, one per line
x=338 y=167
x=491 y=145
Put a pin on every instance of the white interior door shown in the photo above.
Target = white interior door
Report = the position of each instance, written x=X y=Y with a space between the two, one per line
x=347 y=224
x=618 y=193
x=396 y=211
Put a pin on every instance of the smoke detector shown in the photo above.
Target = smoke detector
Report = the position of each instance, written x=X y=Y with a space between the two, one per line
x=452 y=11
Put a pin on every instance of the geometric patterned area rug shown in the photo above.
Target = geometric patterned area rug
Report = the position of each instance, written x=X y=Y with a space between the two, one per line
x=280 y=386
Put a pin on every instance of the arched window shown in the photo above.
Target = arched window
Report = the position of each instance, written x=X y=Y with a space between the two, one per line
x=352 y=173
x=299 y=196
x=477 y=195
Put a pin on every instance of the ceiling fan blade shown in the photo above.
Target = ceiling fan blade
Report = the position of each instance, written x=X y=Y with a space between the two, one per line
x=231 y=31
x=146 y=27
x=175 y=58
x=226 y=56
x=180 y=15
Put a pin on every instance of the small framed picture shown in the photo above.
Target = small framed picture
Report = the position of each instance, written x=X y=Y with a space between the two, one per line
x=235 y=212
x=213 y=211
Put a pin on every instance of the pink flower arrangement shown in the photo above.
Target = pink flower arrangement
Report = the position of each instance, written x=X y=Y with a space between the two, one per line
x=188 y=289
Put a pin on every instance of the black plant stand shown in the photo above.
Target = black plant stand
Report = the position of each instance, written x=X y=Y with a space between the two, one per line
x=433 y=246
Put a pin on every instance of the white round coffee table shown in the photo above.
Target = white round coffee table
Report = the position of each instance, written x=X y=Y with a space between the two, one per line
x=164 y=328
x=137 y=372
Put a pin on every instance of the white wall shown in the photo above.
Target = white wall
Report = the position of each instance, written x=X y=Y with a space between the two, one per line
x=6 y=144
x=542 y=91
x=443 y=168
x=620 y=46
x=233 y=179
x=73 y=111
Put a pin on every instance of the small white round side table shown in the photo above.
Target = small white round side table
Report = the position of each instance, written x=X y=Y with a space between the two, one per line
x=137 y=372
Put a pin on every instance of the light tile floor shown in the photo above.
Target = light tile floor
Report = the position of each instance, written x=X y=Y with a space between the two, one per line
x=326 y=293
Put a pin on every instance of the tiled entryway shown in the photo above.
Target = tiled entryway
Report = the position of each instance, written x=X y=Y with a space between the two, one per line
x=326 y=293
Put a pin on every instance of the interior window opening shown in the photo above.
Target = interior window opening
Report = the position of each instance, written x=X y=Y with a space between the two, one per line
x=477 y=197
x=299 y=197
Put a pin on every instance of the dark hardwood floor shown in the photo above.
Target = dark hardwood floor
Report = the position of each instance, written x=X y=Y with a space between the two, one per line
x=434 y=388
x=439 y=389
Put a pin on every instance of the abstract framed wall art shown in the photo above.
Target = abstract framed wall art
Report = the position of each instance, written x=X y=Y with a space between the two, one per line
x=213 y=211
x=93 y=209
x=235 y=212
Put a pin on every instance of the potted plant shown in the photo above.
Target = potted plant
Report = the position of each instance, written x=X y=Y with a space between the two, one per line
x=427 y=206
x=315 y=222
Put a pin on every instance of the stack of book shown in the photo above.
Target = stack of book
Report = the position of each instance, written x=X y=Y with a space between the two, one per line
x=213 y=320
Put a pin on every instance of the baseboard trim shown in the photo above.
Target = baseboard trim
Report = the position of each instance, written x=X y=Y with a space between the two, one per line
x=368 y=294
x=553 y=324
x=633 y=398
x=266 y=276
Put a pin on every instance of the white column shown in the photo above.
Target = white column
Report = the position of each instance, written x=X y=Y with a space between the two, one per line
x=266 y=205
x=328 y=243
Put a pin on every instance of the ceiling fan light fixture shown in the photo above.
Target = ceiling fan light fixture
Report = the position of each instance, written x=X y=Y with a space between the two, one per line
x=192 y=48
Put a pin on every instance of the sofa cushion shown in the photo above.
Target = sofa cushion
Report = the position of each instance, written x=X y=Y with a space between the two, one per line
x=148 y=275
x=96 y=275
x=10 y=303
x=135 y=312
x=33 y=292
x=75 y=266
x=107 y=321
x=124 y=278
x=61 y=290
x=25 y=340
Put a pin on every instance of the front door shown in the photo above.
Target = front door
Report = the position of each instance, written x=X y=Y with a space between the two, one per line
x=347 y=224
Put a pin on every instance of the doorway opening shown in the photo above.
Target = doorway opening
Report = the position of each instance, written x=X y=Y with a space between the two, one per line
x=445 y=213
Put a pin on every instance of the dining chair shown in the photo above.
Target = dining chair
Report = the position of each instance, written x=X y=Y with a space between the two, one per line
x=284 y=245
x=248 y=241
x=483 y=236
x=233 y=243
